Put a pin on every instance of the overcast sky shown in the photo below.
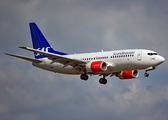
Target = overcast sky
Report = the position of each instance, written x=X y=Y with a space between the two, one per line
x=78 y=26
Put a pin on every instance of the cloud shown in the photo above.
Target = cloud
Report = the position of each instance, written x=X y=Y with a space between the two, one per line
x=74 y=27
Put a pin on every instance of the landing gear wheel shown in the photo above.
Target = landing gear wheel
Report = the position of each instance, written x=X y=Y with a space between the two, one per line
x=146 y=74
x=84 y=77
x=105 y=81
x=102 y=81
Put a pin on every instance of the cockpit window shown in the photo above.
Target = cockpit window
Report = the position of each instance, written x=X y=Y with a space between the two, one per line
x=152 y=53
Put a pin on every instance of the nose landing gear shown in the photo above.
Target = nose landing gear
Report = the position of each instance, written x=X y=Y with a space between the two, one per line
x=148 y=69
x=146 y=74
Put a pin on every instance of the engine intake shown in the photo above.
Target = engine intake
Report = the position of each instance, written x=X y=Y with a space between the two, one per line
x=96 y=66
x=130 y=74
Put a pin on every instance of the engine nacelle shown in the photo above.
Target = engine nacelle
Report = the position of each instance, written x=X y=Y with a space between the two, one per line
x=130 y=74
x=96 y=66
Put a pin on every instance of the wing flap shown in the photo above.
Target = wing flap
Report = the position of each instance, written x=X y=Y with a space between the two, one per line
x=25 y=58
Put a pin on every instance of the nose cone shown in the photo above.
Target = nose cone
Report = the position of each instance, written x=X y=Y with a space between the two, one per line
x=160 y=59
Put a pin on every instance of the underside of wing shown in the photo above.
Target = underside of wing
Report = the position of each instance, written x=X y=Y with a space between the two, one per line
x=25 y=58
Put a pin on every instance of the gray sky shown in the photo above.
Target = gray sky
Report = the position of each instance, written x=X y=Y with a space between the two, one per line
x=78 y=26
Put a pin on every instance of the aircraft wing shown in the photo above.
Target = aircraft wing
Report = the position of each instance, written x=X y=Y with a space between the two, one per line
x=75 y=63
x=25 y=58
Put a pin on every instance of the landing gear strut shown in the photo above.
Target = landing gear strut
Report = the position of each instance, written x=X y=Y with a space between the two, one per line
x=84 y=77
x=148 y=69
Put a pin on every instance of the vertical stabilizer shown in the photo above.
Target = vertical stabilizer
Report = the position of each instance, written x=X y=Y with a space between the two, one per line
x=40 y=42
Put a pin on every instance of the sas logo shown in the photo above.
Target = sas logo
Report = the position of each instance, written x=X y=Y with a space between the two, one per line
x=43 y=50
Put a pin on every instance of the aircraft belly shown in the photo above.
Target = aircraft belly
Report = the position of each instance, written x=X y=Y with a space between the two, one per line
x=56 y=67
x=66 y=70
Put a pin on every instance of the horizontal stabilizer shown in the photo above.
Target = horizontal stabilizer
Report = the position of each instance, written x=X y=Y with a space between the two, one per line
x=25 y=58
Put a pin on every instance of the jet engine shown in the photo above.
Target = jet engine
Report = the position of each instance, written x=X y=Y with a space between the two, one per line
x=130 y=74
x=96 y=66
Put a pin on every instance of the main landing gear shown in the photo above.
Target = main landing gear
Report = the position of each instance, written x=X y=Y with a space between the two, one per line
x=101 y=80
x=148 y=69
x=84 y=77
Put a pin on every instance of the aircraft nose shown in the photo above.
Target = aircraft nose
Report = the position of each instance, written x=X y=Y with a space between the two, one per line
x=161 y=59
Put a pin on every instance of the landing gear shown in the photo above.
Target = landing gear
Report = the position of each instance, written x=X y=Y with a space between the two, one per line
x=146 y=74
x=84 y=77
x=148 y=69
x=102 y=81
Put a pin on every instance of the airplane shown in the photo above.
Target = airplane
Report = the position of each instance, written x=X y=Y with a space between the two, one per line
x=123 y=64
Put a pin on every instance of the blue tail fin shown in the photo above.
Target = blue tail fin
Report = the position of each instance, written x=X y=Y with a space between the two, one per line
x=40 y=42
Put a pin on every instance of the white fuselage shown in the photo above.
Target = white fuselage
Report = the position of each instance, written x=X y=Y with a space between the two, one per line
x=131 y=59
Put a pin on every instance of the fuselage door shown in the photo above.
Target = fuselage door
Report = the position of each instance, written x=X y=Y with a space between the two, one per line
x=139 y=56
